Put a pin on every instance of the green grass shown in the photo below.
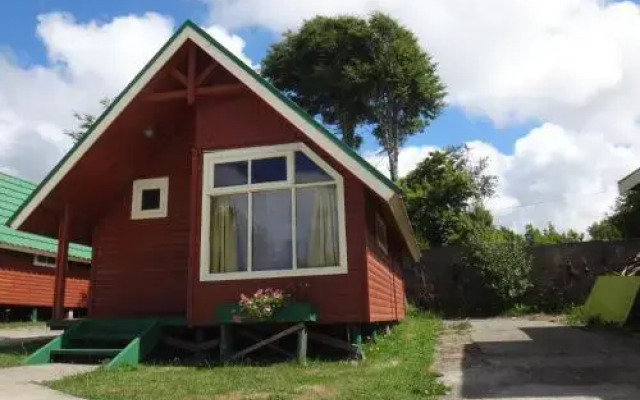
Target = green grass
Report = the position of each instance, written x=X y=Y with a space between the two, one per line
x=14 y=354
x=22 y=325
x=397 y=367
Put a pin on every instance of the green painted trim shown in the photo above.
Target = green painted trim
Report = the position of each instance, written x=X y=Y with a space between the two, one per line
x=43 y=354
x=189 y=24
x=292 y=312
x=129 y=356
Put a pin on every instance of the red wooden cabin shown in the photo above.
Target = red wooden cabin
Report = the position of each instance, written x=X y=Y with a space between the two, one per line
x=202 y=181
x=27 y=264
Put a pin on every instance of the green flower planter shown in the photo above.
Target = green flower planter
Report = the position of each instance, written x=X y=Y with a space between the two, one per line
x=292 y=312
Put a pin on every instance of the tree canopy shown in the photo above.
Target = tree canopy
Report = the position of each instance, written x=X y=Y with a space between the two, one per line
x=444 y=196
x=550 y=235
x=355 y=72
x=624 y=221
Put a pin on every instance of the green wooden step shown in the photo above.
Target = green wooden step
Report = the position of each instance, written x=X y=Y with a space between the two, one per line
x=86 y=352
x=107 y=336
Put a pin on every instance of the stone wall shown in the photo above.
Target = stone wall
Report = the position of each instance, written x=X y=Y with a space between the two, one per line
x=562 y=274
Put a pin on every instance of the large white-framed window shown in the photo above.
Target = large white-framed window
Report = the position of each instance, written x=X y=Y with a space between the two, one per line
x=150 y=198
x=271 y=211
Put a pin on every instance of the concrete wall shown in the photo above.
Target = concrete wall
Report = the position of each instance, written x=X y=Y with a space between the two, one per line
x=562 y=274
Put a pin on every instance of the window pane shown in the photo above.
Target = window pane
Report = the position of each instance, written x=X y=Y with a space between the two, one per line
x=269 y=170
x=228 y=233
x=150 y=199
x=272 y=230
x=230 y=174
x=307 y=171
x=317 y=241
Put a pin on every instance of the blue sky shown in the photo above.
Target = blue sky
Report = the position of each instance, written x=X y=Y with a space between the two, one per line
x=18 y=27
x=568 y=68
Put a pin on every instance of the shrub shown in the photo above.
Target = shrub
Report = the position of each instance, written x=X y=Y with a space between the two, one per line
x=503 y=263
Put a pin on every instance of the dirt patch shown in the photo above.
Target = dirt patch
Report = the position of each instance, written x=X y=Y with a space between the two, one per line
x=311 y=392
x=243 y=396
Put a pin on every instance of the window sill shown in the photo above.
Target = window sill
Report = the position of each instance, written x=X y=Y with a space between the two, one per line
x=237 y=276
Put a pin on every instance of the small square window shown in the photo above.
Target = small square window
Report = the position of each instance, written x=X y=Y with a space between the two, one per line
x=149 y=198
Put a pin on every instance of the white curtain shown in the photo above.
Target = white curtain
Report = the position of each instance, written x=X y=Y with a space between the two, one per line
x=223 y=239
x=323 y=239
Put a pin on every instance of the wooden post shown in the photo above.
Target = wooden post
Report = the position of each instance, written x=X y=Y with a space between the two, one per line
x=194 y=231
x=302 y=345
x=355 y=333
x=225 y=342
x=61 y=265
x=191 y=74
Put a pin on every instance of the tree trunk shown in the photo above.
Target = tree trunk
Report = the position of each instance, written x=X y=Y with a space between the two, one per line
x=393 y=162
x=349 y=137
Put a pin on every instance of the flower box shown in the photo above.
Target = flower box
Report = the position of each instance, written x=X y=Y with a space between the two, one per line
x=291 y=312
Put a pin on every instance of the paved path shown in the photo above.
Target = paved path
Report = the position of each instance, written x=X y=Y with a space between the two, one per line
x=512 y=359
x=23 y=383
x=9 y=336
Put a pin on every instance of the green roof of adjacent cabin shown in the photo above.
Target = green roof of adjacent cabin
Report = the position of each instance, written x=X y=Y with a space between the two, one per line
x=13 y=192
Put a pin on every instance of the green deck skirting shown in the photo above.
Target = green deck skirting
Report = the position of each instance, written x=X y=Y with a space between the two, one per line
x=292 y=312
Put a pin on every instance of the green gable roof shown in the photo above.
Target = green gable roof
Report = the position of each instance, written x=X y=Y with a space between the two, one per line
x=13 y=192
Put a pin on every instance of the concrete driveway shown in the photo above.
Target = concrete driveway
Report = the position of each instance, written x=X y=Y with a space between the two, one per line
x=535 y=360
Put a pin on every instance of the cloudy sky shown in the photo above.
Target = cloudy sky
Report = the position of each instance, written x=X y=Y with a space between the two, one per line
x=548 y=90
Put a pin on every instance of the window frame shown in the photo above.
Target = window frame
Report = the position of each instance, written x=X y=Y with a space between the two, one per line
x=210 y=158
x=380 y=230
x=38 y=263
x=140 y=185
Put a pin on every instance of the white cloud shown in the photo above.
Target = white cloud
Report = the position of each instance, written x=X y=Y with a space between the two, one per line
x=570 y=66
x=86 y=62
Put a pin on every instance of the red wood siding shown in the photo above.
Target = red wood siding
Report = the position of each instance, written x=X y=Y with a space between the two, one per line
x=247 y=122
x=23 y=284
x=141 y=265
x=385 y=286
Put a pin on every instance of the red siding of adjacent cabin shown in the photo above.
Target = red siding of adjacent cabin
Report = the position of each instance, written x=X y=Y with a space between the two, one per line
x=247 y=122
x=385 y=286
x=23 y=284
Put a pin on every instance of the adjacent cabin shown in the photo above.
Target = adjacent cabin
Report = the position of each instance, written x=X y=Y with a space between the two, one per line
x=202 y=182
x=27 y=264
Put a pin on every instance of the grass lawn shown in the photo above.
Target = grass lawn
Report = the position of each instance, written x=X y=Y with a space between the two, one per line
x=22 y=325
x=397 y=367
x=14 y=354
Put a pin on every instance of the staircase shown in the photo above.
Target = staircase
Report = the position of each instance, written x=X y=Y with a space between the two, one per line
x=114 y=342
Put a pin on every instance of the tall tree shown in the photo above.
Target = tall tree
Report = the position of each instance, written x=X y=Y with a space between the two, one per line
x=355 y=71
x=322 y=67
x=407 y=93
x=444 y=197
x=85 y=121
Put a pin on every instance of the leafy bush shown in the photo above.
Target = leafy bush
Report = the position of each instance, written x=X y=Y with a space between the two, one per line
x=503 y=263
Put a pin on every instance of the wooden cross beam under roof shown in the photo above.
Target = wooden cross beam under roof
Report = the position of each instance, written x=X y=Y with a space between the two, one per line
x=192 y=81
